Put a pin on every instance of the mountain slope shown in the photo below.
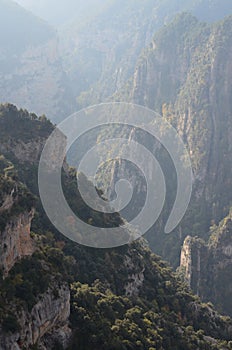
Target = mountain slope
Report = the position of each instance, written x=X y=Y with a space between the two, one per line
x=127 y=291
x=31 y=73
x=15 y=21
x=185 y=75
x=207 y=266
x=58 y=14
x=94 y=56
x=100 y=56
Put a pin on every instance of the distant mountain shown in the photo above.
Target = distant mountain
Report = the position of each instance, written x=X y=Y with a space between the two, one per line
x=185 y=75
x=62 y=12
x=92 y=56
x=143 y=53
x=20 y=29
x=31 y=73
x=101 y=55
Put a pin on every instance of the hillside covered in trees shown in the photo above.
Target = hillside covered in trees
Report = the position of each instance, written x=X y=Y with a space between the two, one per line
x=174 y=58
x=120 y=298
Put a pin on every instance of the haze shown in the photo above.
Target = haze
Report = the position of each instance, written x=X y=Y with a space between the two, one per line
x=59 y=12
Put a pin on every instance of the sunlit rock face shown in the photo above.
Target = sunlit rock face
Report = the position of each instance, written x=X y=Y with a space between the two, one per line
x=16 y=241
x=207 y=267
x=45 y=324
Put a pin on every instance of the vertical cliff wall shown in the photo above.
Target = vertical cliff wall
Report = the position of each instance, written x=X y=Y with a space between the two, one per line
x=44 y=325
x=15 y=240
x=207 y=267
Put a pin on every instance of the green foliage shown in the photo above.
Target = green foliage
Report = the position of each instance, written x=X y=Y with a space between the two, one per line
x=22 y=199
x=78 y=205
x=10 y=324
x=101 y=319
x=25 y=282
x=160 y=314
x=26 y=122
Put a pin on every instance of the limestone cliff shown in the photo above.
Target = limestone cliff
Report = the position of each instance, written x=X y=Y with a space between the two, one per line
x=19 y=143
x=23 y=151
x=187 y=80
x=100 y=54
x=16 y=241
x=207 y=267
x=120 y=297
x=16 y=215
x=46 y=323
x=135 y=276
x=185 y=75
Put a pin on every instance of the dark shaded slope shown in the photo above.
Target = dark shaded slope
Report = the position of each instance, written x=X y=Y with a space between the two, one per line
x=121 y=298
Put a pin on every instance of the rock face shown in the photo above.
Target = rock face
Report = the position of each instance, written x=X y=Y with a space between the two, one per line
x=207 y=267
x=15 y=241
x=44 y=322
x=49 y=315
x=108 y=46
x=36 y=131
x=194 y=255
x=188 y=82
x=24 y=151
x=184 y=75
x=7 y=201
x=35 y=297
x=135 y=278
x=16 y=215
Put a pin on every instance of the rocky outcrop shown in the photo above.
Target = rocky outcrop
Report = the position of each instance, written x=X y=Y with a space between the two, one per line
x=207 y=267
x=26 y=143
x=186 y=259
x=188 y=82
x=30 y=151
x=23 y=151
x=47 y=323
x=7 y=202
x=108 y=47
x=135 y=280
x=16 y=241
x=203 y=118
x=184 y=75
x=42 y=322
x=215 y=322
x=193 y=261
